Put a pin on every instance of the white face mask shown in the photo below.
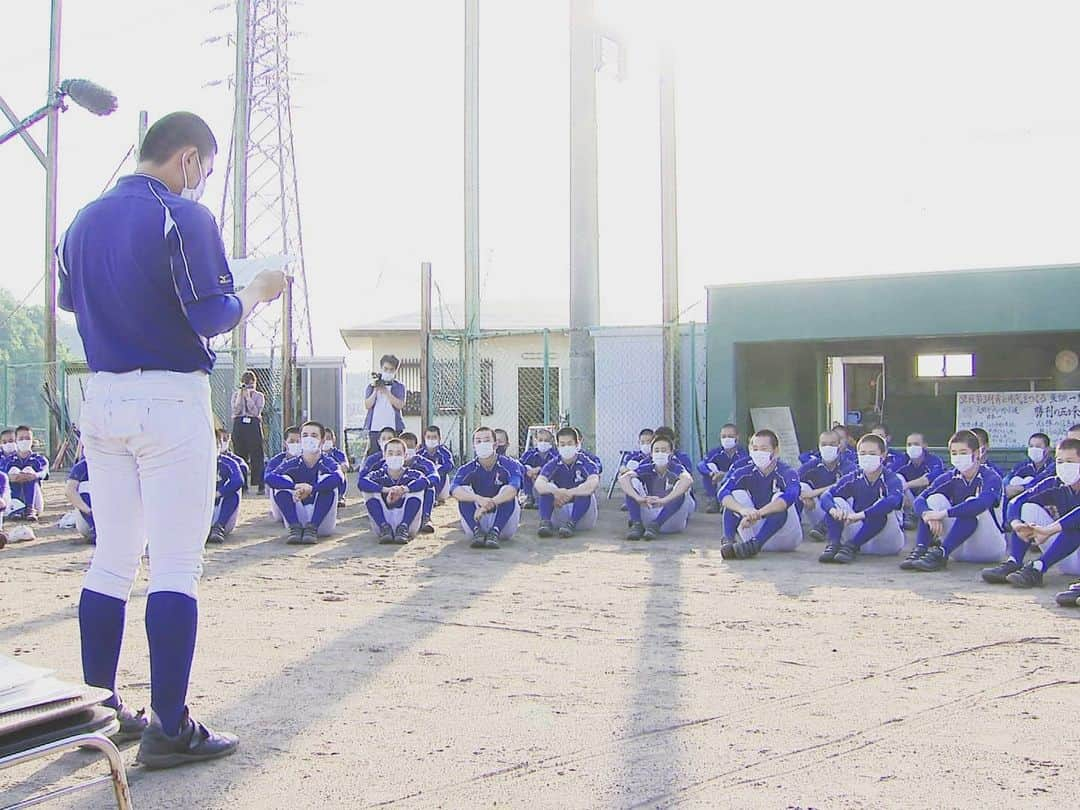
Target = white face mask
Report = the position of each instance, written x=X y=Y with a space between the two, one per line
x=327 y=446
x=1036 y=454
x=914 y=451
x=395 y=463
x=660 y=459
x=828 y=453
x=1068 y=472
x=962 y=461
x=567 y=453
x=645 y=449
x=728 y=442
x=224 y=447
x=484 y=449
x=543 y=447
x=294 y=449
x=431 y=444
x=310 y=444
x=761 y=458
x=410 y=455
x=388 y=376
x=869 y=463
x=193 y=194
x=9 y=447
x=24 y=445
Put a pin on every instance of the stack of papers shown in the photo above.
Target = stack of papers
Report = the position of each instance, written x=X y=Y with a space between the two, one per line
x=23 y=686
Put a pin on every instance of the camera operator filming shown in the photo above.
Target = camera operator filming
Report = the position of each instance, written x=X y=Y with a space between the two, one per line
x=384 y=400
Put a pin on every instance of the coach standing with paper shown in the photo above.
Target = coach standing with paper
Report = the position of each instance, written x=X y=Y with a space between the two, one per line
x=144 y=270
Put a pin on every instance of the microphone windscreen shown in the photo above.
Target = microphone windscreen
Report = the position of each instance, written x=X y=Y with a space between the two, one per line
x=90 y=96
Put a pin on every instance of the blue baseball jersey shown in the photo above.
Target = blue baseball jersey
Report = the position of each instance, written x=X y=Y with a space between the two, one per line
x=722 y=459
x=886 y=494
x=425 y=468
x=380 y=477
x=487 y=483
x=243 y=465
x=894 y=459
x=274 y=463
x=144 y=270
x=1027 y=469
x=817 y=474
x=968 y=498
x=595 y=459
x=993 y=465
x=441 y=457
x=1057 y=498
x=36 y=462
x=847 y=455
x=535 y=459
x=568 y=476
x=337 y=455
x=928 y=464
x=782 y=481
x=373 y=461
x=659 y=482
x=5 y=488
x=323 y=475
x=5 y=461
x=79 y=472
x=230 y=478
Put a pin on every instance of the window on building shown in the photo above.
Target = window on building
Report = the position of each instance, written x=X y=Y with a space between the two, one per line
x=945 y=365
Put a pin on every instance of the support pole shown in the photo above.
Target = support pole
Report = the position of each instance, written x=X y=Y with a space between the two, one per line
x=669 y=240
x=143 y=126
x=241 y=120
x=425 y=346
x=547 y=376
x=584 y=216
x=52 y=142
x=288 y=357
x=471 y=365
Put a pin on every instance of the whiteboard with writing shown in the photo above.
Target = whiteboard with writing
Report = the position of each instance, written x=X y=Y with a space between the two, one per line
x=1011 y=416
x=779 y=421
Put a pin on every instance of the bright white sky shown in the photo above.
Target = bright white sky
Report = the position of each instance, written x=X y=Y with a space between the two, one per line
x=828 y=138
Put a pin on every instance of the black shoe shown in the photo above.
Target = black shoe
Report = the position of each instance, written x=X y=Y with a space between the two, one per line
x=999 y=574
x=713 y=508
x=745 y=549
x=310 y=536
x=341 y=503
x=933 y=560
x=652 y=531
x=916 y=554
x=262 y=490
x=386 y=535
x=545 y=529
x=426 y=527
x=829 y=554
x=296 y=535
x=623 y=508
x=1070 y=597
x=845 y=554
x=817 y=535
x=530 y=503
x=637 y=531
x=567 y=531
x=194 y=743
x=1027 y=577
x=727 y=550
x=492 y=539
x=478 y=538
x=217 y=534
x=401 y=535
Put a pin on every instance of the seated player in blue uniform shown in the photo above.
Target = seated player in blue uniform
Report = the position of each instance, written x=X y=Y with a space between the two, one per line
x=862 y=509
x=917 y=473
x=26 y=470
x=394 y=495
x=1046 y=514
x=984 y=452
x=643 y=452
x=375 y=460
x=330 y=448
x=955 y=512
x=534 y=459
x=815 y=478
x=759 y=503
x=438 y=454
x=657 y=493
x=847 y=451
x=502 y=442
x=5 y=499
x=77 y=493
x=8 y=448
x=306 y=488
x=591 y=456
x=415 y=461
x=292 y=450
x=1024 y=475
x=894 y=459
x=566 y=488
x=486 y=490
x=228 y=491
x=225 y=448
x=718 y=462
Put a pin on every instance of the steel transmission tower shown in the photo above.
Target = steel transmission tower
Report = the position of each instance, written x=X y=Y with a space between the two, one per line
x=260 y=211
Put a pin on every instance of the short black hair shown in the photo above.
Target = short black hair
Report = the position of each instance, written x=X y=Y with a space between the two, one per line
x=881 y=425
x=1069 y=444
x=391 y=359
x=568 y=432
x=1043 y=436
x=772 y=437
x=409 y=437
x=666 y=439
x=497 y=431
x=981 y=435
x=174 y=132
x=727 y=425
x=6 y=431
x=483 y=429
x=24 y=429
x=966 y=437
x=649 y=431
x=1073 y=429
x=433 y=429
x=313 y=423
x=291 y=429
x=874 y=439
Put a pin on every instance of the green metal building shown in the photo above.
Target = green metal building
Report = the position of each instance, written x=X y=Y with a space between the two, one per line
x=894 y=347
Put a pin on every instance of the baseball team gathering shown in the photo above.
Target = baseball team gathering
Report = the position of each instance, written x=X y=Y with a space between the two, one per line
x=144 y=271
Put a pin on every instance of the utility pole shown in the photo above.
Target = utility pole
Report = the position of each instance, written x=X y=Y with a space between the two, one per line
x=241 y=120
x=669 y=238
x=51 y=165
x=471 y=366
x=143 y=126
x=584 y=216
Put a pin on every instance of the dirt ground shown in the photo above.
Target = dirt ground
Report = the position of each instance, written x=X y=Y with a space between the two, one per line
x=582 y=673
